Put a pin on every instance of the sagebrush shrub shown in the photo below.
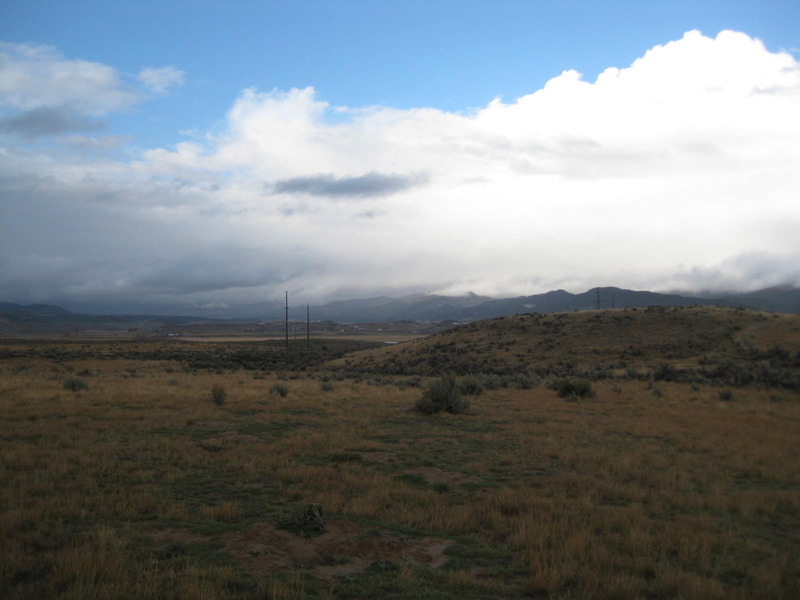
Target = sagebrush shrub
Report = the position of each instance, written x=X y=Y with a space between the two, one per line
x=218 y=395
x=471 y=386
x=442 y=395
x=575 y=389
x=74 y=384
x=279 y=390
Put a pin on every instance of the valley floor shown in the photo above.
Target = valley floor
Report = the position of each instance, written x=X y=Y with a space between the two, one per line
x=126 y=477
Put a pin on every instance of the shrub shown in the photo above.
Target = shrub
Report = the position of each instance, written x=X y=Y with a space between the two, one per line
x=490 y=381
x=574 y=389
x=470 y=386
x=306 y=523
x=218 y=395
x=726 y=395
x=327 y=386
x=75 y=384
x=442 y=395
x=664 y=371
x=525 y=382
x=279 y=390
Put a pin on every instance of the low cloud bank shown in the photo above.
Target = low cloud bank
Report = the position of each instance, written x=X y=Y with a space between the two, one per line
x=676 y=172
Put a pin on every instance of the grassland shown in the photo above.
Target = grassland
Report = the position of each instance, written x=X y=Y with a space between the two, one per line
x=678 y=479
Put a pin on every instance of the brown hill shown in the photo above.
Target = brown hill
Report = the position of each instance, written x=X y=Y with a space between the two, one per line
x=665 y=342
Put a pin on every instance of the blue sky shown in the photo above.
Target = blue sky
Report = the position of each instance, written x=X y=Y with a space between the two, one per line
x=453 y=55
x=352 y=148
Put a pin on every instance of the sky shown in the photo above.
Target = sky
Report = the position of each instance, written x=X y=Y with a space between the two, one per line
x=197 y=154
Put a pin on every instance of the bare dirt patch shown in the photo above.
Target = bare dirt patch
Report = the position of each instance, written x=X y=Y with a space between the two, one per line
x=345 y=548
x=440 y=476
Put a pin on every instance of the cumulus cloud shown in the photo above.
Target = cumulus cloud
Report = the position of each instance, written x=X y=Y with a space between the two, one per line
x=677 y=171
x=35 y=76
x=159 y=80
x=43 y=93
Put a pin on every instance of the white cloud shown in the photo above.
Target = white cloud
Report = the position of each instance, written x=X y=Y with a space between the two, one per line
x=758 y=270
x=42 y=93
x=159 y=80
x=33 y=76
x=657 y=175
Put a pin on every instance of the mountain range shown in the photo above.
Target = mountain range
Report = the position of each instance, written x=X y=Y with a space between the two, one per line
x=419 y=308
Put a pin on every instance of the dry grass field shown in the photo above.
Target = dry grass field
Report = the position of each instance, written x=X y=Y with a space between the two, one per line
x=134 y=471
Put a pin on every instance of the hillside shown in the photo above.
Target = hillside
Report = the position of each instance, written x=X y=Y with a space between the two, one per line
x=692 y=340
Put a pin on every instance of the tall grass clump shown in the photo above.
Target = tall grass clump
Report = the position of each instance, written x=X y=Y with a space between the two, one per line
x=75 y=384
x=218 y=395
x=442 y=394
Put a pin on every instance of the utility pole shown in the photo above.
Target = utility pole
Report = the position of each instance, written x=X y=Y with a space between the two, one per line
x=287 y=319
x=308 y=326
x=598 y=298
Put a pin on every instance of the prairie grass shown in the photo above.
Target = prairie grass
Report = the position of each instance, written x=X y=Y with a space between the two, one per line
x=623 y=495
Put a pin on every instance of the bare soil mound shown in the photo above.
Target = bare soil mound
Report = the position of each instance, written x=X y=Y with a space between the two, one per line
x=345 y=548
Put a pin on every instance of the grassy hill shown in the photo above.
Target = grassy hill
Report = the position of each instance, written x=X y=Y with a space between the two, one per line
x=664 y=342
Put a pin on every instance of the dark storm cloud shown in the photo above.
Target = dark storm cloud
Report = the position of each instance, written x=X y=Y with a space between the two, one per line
x=48 y=120
x=212 y=269
x=369 y=185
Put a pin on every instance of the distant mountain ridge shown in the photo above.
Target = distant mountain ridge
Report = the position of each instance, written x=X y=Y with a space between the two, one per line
x=473 y=308
x=424 y=307
x=20 y=318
